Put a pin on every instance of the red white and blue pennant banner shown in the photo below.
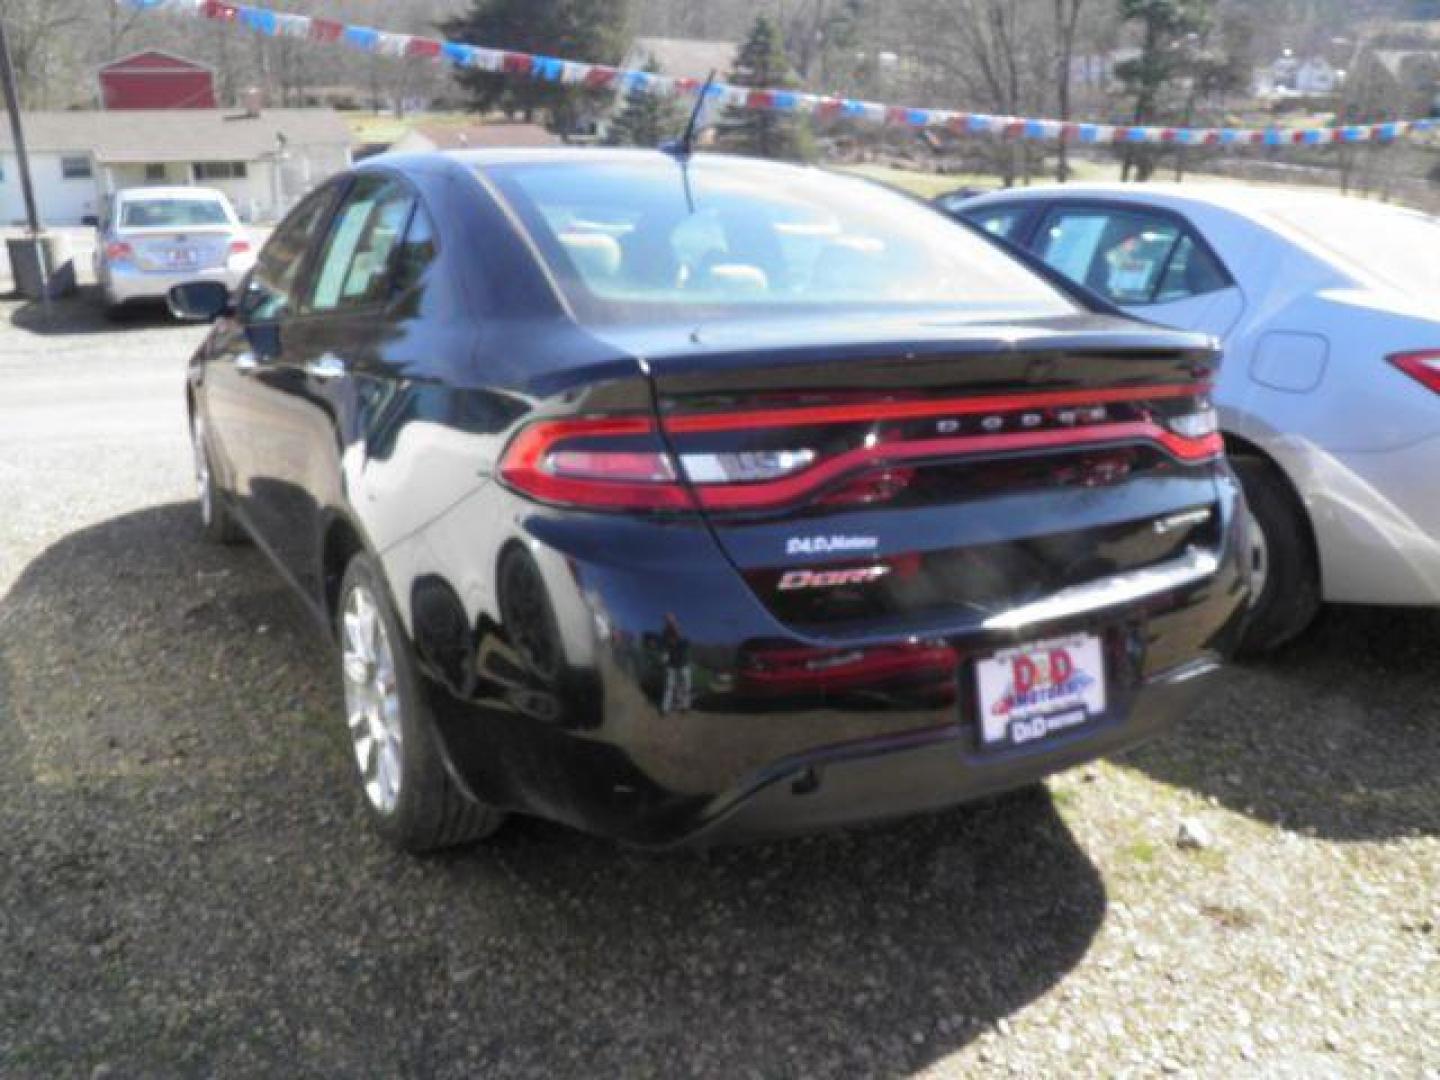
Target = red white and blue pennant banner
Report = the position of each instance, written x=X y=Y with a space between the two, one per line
x=602 y=77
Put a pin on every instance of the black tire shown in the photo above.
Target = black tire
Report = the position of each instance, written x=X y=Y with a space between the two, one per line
x=1289 y=599
x=430 y=810
x=217 y=523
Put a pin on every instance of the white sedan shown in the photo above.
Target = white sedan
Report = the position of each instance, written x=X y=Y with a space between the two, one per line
x=157 y=237
x=1329 y=310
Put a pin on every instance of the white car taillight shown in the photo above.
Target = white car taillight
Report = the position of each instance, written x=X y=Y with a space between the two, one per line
x=1195 y=425
x=745 y=468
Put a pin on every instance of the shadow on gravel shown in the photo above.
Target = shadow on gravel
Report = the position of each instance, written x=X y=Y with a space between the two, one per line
x=1338 y=736
x=189 y=885
x=83 y=314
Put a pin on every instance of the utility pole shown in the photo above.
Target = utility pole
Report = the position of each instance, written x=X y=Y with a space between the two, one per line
x=17 y=130
x=40 y=265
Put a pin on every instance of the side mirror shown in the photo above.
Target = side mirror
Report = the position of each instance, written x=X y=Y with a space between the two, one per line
x=199 y=301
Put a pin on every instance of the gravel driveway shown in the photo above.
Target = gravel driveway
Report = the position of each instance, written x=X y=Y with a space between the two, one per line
x=187 y=888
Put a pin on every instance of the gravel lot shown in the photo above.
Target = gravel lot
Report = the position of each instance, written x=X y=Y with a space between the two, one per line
x=186 y=886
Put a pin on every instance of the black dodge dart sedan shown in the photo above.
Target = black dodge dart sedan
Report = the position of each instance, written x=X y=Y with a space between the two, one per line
x=685 y=499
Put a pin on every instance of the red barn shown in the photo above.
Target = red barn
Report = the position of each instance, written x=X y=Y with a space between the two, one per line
x=156 y=80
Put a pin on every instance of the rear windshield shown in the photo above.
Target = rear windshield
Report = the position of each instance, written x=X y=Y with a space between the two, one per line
x=631 y=241
x=172 y=214
x=1399 y=248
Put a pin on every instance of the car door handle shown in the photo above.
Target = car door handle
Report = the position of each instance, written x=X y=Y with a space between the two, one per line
x=246 y=361
x=328 y=366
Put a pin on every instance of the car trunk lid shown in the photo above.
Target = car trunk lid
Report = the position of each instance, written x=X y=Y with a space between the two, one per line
x=178 y=250
x=874 y=479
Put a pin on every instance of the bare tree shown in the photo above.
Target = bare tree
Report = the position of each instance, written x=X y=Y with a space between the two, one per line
x=1067 y=28
x=986 y=55
x=46 y=45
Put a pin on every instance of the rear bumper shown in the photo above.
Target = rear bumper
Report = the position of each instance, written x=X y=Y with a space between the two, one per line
x=933 y=770
x=1377 y=524
x=123 y=284
x=607 y=738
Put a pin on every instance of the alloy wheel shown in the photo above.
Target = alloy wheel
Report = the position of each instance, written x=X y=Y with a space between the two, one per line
x=1259 y=561
x=372 y=699
x=204 y=492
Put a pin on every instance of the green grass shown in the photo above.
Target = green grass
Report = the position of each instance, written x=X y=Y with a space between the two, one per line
x=925 y=185
x=368 y=127
x=1143 y=852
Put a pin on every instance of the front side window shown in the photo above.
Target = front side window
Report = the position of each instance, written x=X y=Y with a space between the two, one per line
x=173 y=214
x=354 y=270
x=269 y=293
x=1128 y=257
x=630 y=241
x=75 y=168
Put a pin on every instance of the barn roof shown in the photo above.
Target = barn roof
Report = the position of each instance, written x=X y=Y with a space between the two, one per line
x=156 y=135
x=151 y=61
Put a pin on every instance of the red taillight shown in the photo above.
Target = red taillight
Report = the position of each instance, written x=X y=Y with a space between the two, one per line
x=595 y=463
x=852 y=454
x=119 y=251
x=239 y=247
x=1424 y=367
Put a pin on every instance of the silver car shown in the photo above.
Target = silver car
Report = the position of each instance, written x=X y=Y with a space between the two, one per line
x=154 y=238
x=1329 y=395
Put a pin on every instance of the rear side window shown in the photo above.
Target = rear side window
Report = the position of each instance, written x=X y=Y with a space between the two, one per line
x=417 y=253
x=1128 y=257
x=1192 y=272
x=354 y=270
x=270 y=292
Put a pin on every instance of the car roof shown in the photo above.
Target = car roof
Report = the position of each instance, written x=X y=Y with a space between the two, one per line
x=1246 y=199
x=141 y=194
x=580 y=155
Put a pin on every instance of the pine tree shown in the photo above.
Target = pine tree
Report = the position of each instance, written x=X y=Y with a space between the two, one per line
x=646 y=119
x=768 y=133
x=1166 y=59
x=585 y=30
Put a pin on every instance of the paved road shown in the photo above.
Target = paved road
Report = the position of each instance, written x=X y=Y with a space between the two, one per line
x=186 y=886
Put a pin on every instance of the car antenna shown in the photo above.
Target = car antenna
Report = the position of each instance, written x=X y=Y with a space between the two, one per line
x=684 y=146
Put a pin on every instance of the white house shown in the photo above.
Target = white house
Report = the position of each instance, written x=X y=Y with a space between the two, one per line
x=1290 y=75
x=264 y=160
x=682 y=57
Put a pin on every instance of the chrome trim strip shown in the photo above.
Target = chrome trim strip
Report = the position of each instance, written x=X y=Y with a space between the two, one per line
x=1190 y=569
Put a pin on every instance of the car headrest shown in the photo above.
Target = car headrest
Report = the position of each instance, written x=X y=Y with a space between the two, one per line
x=595 y=255
x=736 y=278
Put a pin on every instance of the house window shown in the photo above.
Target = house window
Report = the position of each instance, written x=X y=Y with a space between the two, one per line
x=220 y=170
x=154 y=173
x=75 y=168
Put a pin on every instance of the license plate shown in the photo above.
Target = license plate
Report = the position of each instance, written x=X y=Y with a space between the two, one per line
x=184 y=258
x=1035 y=691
